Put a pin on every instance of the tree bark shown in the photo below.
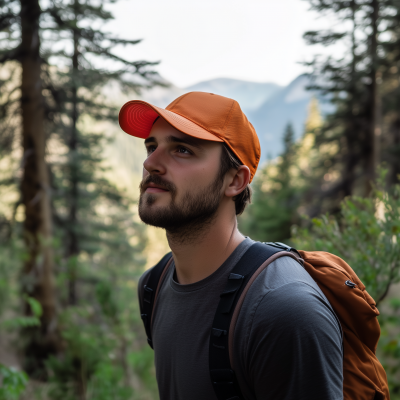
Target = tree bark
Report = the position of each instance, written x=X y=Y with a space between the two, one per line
x=352 y=129
x=73 y=246
x=374 y=130
x=395 y=156
x=37 y=279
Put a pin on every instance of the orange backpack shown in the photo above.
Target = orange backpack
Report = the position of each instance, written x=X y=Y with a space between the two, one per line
x=363 y=376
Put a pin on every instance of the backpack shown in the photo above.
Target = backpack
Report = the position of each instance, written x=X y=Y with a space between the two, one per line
x=363 y=376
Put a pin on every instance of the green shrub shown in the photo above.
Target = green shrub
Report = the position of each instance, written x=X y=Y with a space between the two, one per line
x=366 y=235
x=12 y=383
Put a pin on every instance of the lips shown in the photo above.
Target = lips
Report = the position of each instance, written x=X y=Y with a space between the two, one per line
x=155 y=184
x=153 y=188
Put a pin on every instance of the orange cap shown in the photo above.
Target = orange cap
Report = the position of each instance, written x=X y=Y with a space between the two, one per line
x=202 y=115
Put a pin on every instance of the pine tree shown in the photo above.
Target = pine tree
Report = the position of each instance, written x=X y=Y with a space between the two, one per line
x=391 y=88
x=352 y=83
x=276 y=196
x=61 y=96
x=314 y=165
x=80 y=93
x=20 y=24
x=93 y=217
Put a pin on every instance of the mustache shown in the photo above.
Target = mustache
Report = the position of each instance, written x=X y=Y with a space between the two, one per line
x=157 y=180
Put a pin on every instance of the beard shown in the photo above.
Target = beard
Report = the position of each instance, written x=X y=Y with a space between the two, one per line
x=184 y=221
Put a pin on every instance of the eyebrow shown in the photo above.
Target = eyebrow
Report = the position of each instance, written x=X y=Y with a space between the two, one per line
x=186 y=140
x=150 y=139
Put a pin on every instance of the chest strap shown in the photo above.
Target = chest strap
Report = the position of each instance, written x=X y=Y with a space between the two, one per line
x=221 y=372
x=149 y=294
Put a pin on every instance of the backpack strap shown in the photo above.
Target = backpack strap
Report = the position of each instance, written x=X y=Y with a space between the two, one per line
x=251 y=264
x=150 y=291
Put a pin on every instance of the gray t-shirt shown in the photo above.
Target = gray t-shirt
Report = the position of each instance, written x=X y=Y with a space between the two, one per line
x=287 y=342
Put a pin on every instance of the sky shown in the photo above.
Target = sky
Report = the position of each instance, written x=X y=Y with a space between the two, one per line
x=197 y=40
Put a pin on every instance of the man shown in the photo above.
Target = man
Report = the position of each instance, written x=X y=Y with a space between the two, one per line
x=202 y=153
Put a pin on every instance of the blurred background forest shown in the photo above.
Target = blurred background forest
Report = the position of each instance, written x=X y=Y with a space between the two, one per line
x=71 y=244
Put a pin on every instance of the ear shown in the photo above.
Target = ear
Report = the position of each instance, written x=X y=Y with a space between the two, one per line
x=238 y=180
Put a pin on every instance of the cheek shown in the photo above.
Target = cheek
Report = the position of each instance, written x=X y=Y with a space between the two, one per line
x=194 y=178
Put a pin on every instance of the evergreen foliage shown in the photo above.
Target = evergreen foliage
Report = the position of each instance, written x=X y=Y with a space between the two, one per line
x=93 y=218
x=359 y=86
x=391 y=89
x=95 y=247
x=80 y=188
x=283 y=189
x=275 y=197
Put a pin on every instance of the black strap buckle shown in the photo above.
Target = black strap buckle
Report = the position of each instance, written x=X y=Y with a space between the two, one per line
x=218 y=332
x=228 y=295
x=148 y=294
x=282 y=246
x=279 y=245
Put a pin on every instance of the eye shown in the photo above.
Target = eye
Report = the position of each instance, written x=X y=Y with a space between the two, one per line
x=150 y=148
x=183 y=150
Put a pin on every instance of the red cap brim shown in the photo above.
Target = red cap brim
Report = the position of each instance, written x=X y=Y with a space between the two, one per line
x=137 y=118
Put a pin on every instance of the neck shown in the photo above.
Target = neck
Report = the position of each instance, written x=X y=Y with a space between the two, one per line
x=200 y=256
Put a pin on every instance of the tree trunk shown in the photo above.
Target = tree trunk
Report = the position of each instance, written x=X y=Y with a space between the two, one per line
x=72 y=250
x=73 y=247
x=37 y=279
x=394 y=176
x=374 y=129
x=352 y=130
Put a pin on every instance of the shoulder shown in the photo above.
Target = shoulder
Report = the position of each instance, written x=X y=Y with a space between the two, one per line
x=283 y=308
x=285 y=270
x=294 y=308
x=285 y=297
x=288 y=332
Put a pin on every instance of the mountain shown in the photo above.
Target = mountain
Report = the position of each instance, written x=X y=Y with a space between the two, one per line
x=289 y=105
x=161 y=96
x=250 y=95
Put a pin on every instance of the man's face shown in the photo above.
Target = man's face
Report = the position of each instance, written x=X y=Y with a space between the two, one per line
x=181 y=186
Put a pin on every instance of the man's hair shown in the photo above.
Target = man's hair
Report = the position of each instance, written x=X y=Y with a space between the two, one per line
x=229 y=161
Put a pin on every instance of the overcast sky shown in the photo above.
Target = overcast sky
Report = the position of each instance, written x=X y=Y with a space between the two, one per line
x=196 y=40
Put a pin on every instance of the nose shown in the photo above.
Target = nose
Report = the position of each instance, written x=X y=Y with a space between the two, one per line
x=155 y=162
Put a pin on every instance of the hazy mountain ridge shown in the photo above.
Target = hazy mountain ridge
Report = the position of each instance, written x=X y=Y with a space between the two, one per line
x=289 y=105
x=250 y=95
